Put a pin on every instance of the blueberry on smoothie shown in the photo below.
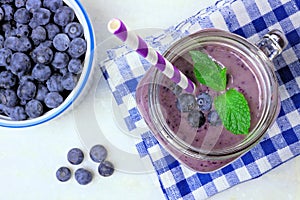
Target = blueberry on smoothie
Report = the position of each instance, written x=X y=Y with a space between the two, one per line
x=196 y=118
x=98 y=153
x=204 y=101
x=186 y=102
x=63 y=174
x=106 y=168
x=213 y=118
x=83 y=176
x=75 y=156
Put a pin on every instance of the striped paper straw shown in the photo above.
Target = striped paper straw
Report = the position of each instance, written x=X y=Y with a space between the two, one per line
x=118 y=28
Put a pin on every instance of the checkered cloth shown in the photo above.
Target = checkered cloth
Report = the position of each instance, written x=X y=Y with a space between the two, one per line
x=250 y=19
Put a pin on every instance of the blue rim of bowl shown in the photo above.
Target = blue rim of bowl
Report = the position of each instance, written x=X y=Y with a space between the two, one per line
x=20 y=124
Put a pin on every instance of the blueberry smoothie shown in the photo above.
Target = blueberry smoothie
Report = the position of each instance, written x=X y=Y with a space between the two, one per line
x=191 y=119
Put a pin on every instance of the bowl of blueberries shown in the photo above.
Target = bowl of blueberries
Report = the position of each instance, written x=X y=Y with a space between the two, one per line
x=46 y=59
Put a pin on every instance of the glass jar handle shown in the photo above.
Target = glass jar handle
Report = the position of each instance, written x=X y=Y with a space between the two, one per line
x=272 y=44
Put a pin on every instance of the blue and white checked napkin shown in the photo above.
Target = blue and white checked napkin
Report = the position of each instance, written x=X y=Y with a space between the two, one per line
x=250 y=19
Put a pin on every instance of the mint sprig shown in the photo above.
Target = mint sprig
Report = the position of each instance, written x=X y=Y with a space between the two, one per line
x=231 y=106
x=208 y=72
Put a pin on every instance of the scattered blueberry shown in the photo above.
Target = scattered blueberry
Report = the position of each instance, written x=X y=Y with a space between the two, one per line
x=77 y=47
x=41 y=93
x=52 y=30
x=8 y=12
x=8 y=97
x=53 y=5
x=17 y=113
x=40 y=16
x=5 y=56
x=213 y=118
x=54 y=83
x=7 y=79
x=63 y=174
x=53 y=99
x=22 y=16
x=34 y=108
x=20 y=64
x=204 y=101
x=42 y=54
x=41 y=72
x=196 y=118
x=75 y=156
x=69 y=81
x=26 y=90
x=98 y=153
x=38 y=35
x=83 y=176
x=61 y=42
x=60 y=60
x=186 y=102
x=75 y=66
x=32 y=5
x=20 y=3
x=106 y=168
x=74 y=30
x=63 y=15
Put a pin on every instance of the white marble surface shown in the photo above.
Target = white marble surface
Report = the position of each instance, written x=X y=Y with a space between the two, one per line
x=29 y=157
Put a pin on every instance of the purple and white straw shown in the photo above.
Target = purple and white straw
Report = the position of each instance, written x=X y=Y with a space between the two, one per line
x=118 y=28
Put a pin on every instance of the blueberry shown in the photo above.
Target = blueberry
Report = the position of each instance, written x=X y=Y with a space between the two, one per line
x=186 y=102
x=83 y=176
x=34 y=108
x=74 y=30
x=38 y=35
x=63 y=15
x=52 y=30
x=20 y=3
x=41 y=93
x=20 y=64
x=77 y=47
x=213 y=118
x=17 y=113
x=204 y=101
x=10 y=43
x=54 y=83
x=75 y=156
x=32 y=5
x=1 y=14
x=1 y=41
x=42 y=54
x=8 y=12
x=5 y=56
x=61 y=42
x=8 y=97
x=196 y=118
x=40 y=16
x=60 y=60
x=41 y=72
x=22 y=16
x=53 y=99
x=7 y=79
x=98 y=153
x=26 y=90
x=69 y=81
x=22 y=30
x=23 y=44
x=106 y=168
x=63 y=174
x=53 y=5
x=75 y=66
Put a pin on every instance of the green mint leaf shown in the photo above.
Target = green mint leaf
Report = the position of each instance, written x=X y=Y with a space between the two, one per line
x=234 y=111
x=208 y=72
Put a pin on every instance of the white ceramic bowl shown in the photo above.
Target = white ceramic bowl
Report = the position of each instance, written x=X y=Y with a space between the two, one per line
x=83 y=81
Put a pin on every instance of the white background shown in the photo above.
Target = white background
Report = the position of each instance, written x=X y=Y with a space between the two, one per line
x=29 y=157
